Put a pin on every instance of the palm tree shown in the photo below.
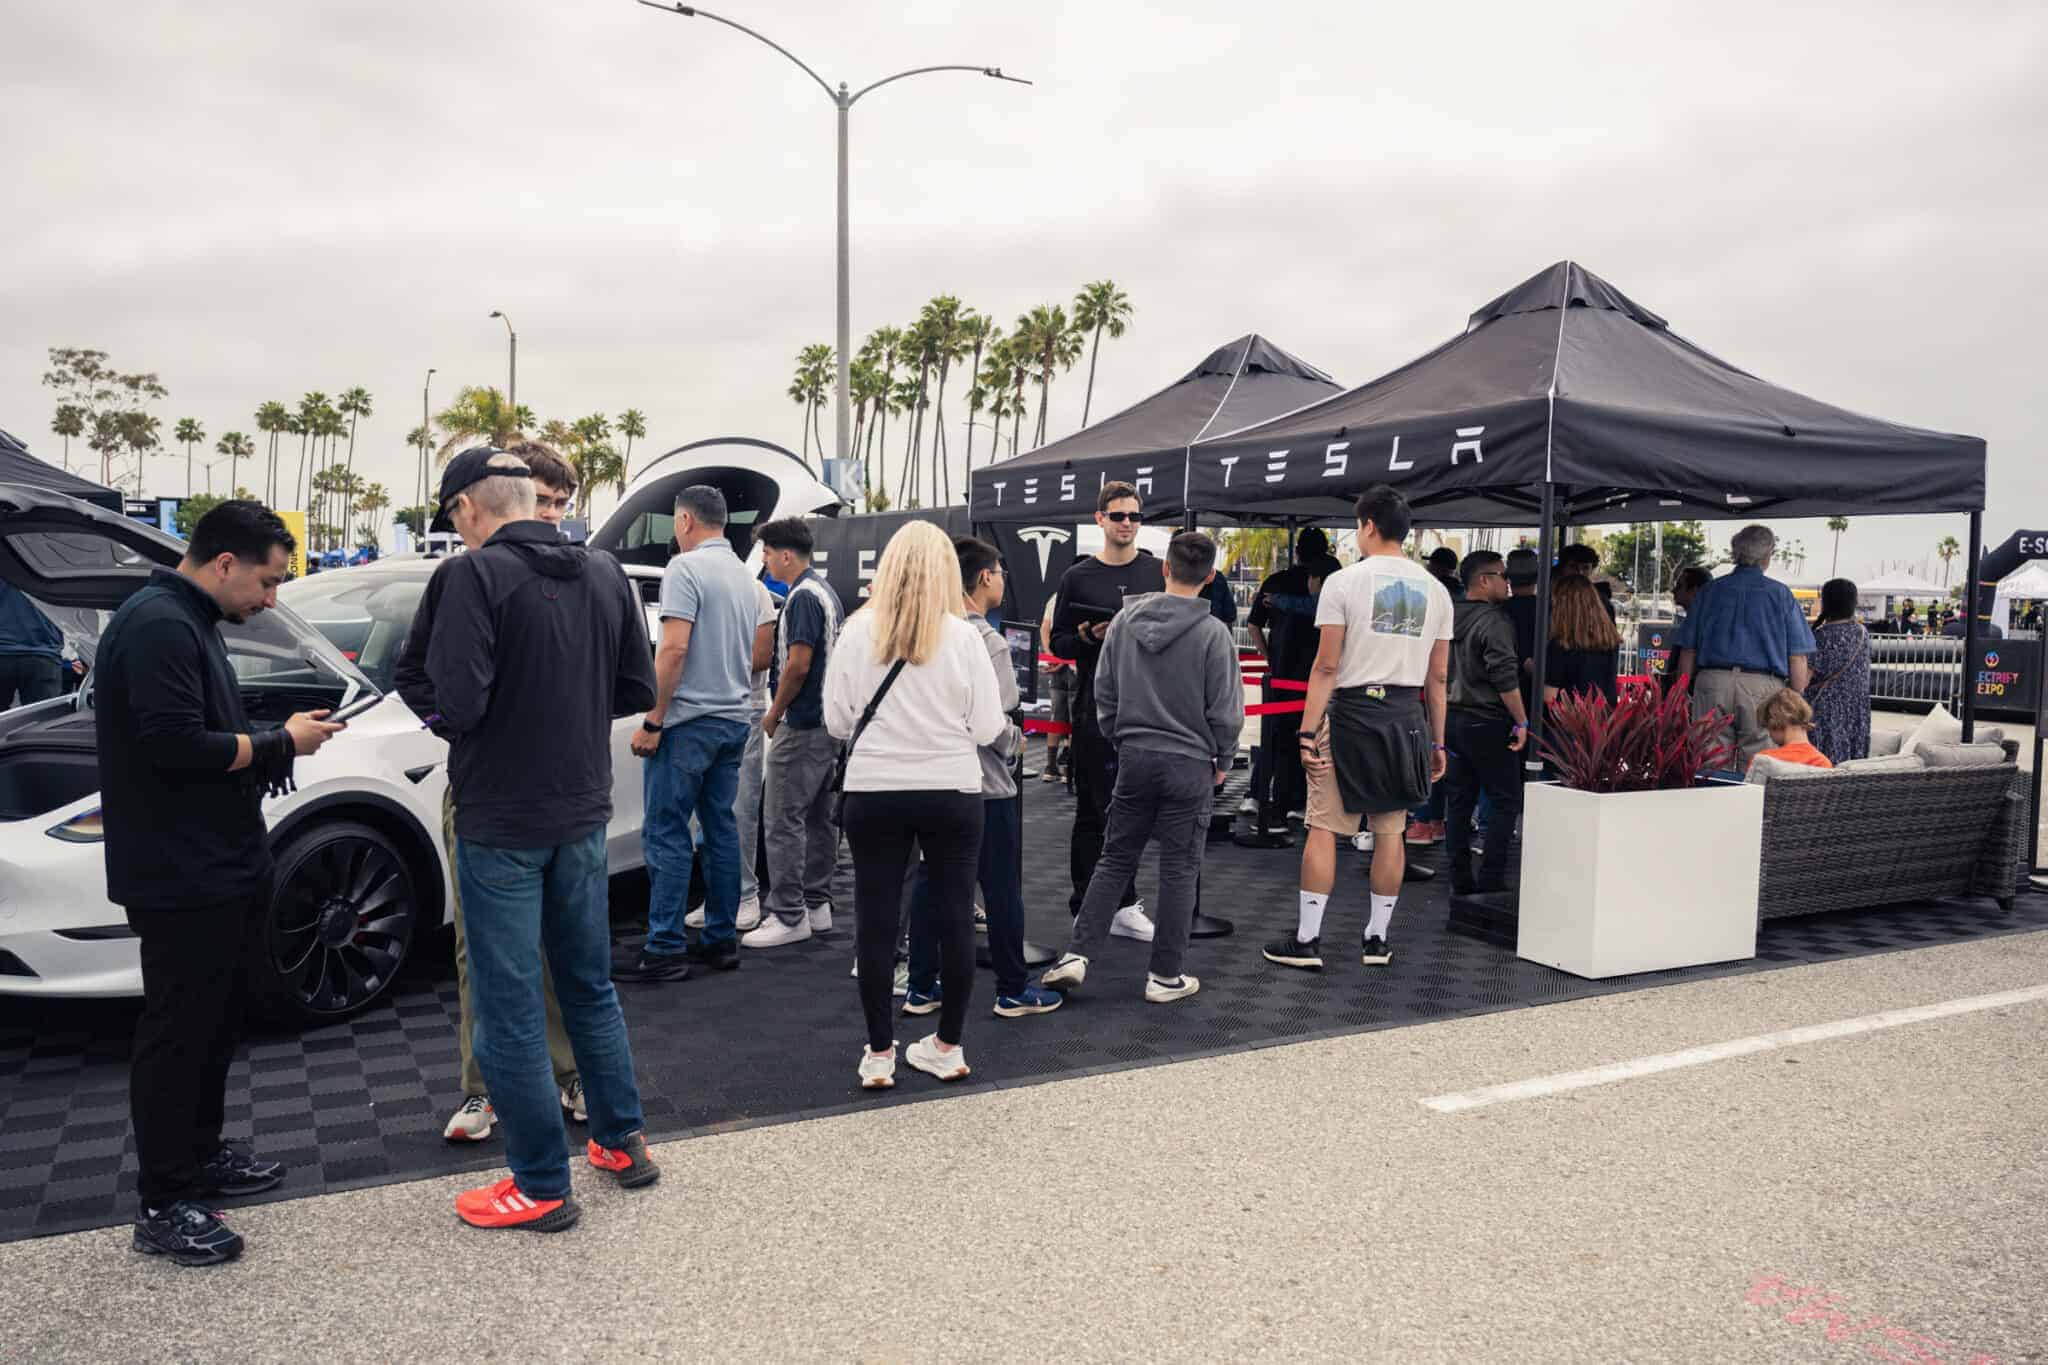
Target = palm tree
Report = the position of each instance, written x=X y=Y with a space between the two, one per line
x=632 y=426
x=1946 y=550
x=236 y=447
x=1050 y=342
x=870 y=392
x=1837 y=525
x=308 y=419
x=905 y=399
x=979 y=331
x=1019 y=347
x=370 y=501
x=139 y=434
x=478 y=416
x=814 y=367
x=271 y=419
x=189 y=433
x=69 y=422
x=1098 y=308
x=888 y=344
x=354 y=404
x=945 y=318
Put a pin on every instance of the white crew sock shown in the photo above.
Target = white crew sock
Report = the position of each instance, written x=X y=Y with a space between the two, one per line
x=1311 y=927
x=1382 y=916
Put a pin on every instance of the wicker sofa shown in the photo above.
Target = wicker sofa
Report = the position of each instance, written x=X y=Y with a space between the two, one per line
x=1889 y=830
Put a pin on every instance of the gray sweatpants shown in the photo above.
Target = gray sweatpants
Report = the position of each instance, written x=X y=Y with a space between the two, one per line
x=803 y=838
x=752 y=776
x=1736 y=693
x=1166 y=797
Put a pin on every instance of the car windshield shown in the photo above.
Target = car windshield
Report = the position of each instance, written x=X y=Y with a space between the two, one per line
x=363 y=613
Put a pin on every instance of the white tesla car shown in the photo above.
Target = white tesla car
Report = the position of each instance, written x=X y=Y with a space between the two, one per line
x=361 y=875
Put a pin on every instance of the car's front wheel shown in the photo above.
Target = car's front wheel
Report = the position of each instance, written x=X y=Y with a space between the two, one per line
x=342 y=920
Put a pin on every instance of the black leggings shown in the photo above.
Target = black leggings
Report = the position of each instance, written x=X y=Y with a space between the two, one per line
x=881 y=829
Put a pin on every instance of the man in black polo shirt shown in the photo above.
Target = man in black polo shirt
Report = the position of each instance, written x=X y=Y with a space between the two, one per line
x=182 y=780
x=1288 y=640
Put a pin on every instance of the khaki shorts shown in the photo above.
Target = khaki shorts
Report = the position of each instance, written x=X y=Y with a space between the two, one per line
x=1326 y=802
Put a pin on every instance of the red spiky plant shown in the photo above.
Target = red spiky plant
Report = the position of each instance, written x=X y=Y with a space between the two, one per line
x=1647 y=740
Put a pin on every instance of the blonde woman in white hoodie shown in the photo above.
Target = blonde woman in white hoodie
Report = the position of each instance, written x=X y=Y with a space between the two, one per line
x=913 y=781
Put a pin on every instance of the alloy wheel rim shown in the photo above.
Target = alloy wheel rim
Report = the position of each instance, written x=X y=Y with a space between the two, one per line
x=341 y=923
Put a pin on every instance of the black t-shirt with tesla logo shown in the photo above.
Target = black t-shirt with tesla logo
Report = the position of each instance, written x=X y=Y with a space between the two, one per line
x=1089 y=590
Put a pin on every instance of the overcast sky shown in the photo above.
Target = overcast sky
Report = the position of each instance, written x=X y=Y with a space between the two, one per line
x=255 y=201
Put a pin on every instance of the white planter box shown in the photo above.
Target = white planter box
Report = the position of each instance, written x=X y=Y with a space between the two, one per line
x=1639 y=881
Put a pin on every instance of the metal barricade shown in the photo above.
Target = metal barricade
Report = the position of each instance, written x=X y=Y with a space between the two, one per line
x=1918 y=670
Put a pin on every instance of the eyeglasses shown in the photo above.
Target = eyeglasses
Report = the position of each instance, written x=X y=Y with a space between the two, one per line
x=550 y=504
x=1122 y=516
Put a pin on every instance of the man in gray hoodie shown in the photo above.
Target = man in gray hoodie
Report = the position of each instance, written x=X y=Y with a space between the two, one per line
x=1171 y=700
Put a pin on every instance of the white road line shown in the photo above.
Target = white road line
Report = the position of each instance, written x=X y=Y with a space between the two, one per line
x=1714 y=1052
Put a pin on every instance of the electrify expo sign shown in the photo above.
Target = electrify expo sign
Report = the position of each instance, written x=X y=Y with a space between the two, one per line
x=1336 y=459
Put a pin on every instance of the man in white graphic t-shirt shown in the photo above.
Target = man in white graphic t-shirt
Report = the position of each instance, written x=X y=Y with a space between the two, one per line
x=1372 y=728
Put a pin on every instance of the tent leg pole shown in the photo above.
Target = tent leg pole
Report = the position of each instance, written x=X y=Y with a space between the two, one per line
x=1546 y=551
x=1970 y=626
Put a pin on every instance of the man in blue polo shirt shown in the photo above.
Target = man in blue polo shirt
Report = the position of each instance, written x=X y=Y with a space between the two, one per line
x=1744 y=638
x=797 y=808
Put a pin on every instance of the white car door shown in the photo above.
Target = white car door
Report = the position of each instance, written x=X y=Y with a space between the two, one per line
x=623 y=847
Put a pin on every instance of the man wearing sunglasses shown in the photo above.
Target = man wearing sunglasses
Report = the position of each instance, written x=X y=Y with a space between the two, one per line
x=1090 y=595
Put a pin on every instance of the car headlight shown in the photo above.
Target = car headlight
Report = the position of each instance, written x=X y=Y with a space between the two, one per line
x=84 y=828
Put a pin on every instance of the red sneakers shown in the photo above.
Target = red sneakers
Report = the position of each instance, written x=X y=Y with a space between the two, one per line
x=503 y=1206
x=629 y=1163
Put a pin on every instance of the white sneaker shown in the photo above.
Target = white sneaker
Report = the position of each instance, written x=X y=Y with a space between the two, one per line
x=1160 y=992
x=1070 y=971
x=1362 y=841
x=878 y=1069
x=899 y=984
x=472 y=1122
x=1132 y=922
x=821 y=918
x=574 y=1104
x=924 y=1054
x=775 y=932
x=855 y=973
x=1247 y=807
x=980 y=919
x=749 y=917
x=695 y=919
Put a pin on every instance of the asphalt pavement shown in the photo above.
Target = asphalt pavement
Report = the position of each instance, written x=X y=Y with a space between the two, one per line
x=1877 y=1195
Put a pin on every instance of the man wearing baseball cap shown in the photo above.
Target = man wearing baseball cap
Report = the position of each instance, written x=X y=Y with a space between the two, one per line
x=536 y=646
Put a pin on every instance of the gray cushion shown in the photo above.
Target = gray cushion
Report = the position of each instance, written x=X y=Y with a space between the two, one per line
x=1895 y=763
x=1961 y=755
x=1885 y=743
x=1937 y=727
x=1764 y=768
x=1990 y=734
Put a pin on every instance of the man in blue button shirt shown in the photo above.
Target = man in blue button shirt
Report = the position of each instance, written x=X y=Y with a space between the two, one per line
x=1743 y=639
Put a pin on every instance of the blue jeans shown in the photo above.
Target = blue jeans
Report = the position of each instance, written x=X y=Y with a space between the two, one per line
x=696 y=771
x=1002 y=838
x=517 y=903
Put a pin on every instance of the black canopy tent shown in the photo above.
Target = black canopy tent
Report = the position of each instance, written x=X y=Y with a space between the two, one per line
x=18 y=466
x=1565 y=402
x=1239 y=384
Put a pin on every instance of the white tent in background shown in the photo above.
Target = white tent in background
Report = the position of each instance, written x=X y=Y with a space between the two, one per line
x=2028 y=583
x=1900 y=584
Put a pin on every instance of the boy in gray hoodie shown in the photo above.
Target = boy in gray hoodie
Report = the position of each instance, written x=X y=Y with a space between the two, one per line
x=1171 y=699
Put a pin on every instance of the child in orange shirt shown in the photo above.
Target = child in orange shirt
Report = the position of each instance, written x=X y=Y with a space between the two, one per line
x=1786 y=715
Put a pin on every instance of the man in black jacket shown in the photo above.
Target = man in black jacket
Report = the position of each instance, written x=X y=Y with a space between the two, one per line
x=1090 y=594
x=537 y=646
x=182 y=780
x=1485 y=725
x=1288 y=640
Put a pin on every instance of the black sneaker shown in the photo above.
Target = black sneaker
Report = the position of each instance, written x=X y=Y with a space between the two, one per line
x=654 y=967
x=1264 y=838
x=1375 y=952
x=1292 y=952
x=236 y=1170
x=718 y=957
x=188 y=1233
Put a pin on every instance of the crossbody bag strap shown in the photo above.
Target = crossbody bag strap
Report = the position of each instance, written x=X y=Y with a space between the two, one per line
x=869 y=714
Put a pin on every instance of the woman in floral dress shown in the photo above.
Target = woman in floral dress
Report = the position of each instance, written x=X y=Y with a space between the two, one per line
x=1839 y=690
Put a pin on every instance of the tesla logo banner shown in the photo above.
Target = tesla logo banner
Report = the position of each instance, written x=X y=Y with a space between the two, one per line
x=1037 y=558
x=1044 y=537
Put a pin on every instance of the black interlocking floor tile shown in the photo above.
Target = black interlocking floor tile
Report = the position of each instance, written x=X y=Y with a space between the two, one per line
x=362 y=1103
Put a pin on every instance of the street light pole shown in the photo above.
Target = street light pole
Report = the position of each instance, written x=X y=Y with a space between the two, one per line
x=844 y=102
x=511 y=368
x=426 y=439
